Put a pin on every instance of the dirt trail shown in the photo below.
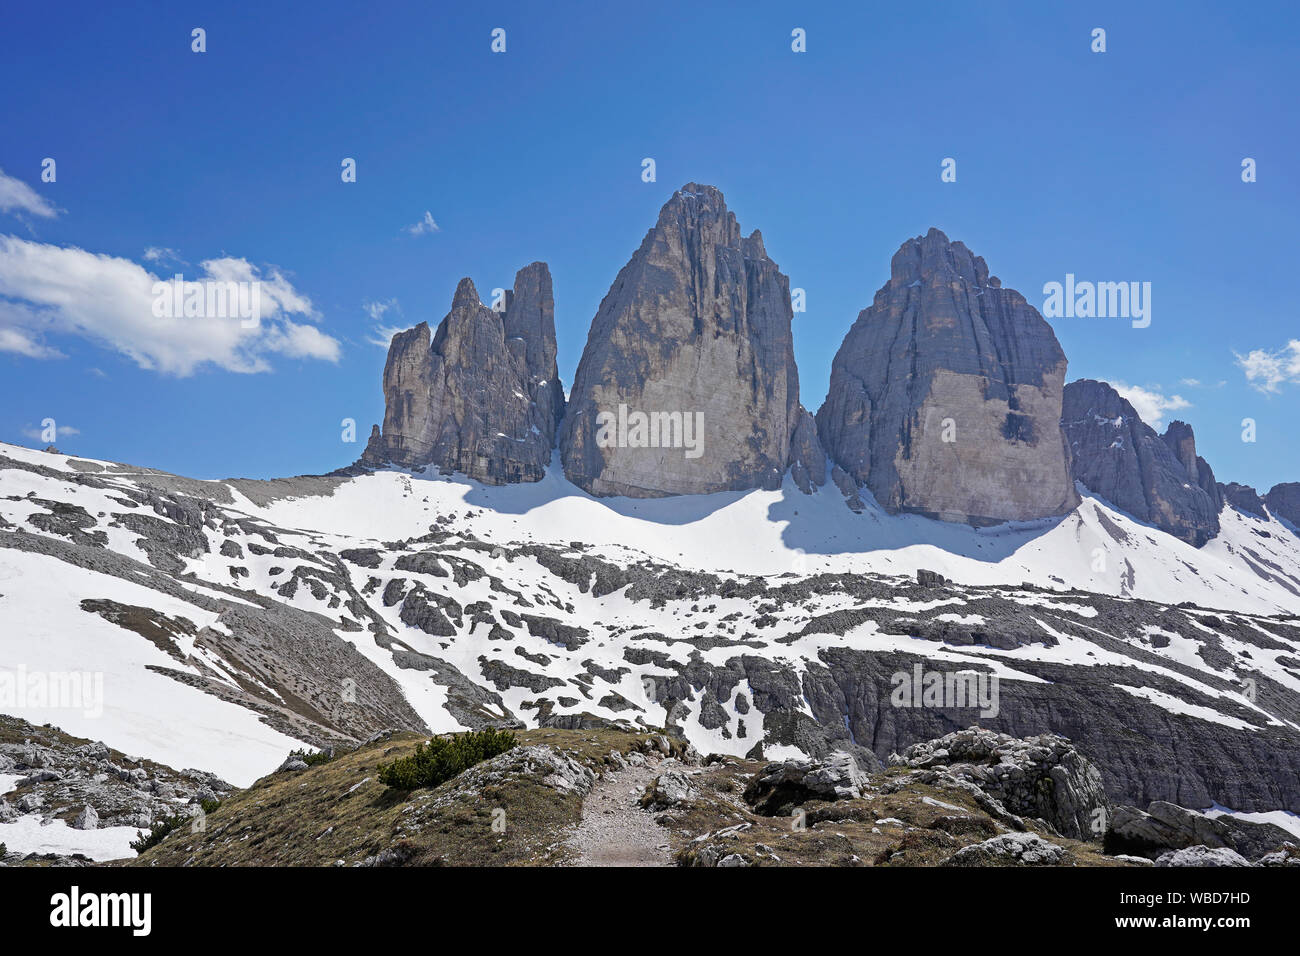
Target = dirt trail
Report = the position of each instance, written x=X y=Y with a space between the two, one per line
x=614 y=830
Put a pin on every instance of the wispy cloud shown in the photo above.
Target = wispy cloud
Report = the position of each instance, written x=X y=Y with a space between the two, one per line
x=382 y=335
x=1150 y=402
x=17 y=196
x=47 y=290
x=1268 y=371
x=161 y=255
x=424 y=226
x=38 y=434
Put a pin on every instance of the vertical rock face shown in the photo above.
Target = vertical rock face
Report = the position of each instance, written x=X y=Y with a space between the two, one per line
x=945 y=396
x=1122 y=459
x=1182 y=442
x=687 y=384
x=1244 y=498
x=481 y=396
x=530 y=316
x=1284 y=501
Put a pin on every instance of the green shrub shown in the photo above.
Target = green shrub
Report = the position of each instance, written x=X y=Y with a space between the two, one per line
x=312 y=757
x=163 y=827
x=443 y=758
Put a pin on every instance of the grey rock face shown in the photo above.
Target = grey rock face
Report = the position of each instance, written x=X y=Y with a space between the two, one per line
x=1244 y=498
x=1165 y=826
x=694 y=335
x=945 y=396
x=1182 y=442
x=807 y=459
x=1043 y=776
x=1122 y=459
x=1284 y=501
x=481 y=396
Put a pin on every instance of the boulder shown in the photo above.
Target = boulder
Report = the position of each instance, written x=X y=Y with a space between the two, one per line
x=778 y=787
x=671 y=788
x=1009 y=849
x=87 y=819
x=1202 y=856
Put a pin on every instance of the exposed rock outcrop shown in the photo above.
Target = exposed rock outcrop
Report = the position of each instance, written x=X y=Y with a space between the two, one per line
x=1009 y=849
x=687 y=384
x=1165 y=826
x=779 y=786
x=945 y=396
x=1042 y=776
x=481 y=396
x=1182 y=442
x=1284 y=501
x=1121 y=458
x=1244 y=498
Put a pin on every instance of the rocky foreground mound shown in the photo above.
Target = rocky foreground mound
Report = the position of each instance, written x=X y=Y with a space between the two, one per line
x=952 y=802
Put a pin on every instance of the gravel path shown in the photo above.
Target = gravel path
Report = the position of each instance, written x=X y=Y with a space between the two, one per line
x=614 y=830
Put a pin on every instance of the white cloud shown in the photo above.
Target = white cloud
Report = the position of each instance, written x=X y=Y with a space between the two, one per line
x=1151 y=403
x=17 y=196
x=1268 y=371
x=54 y=290
x=1190 y=382
x=425 y=225
x=22 y=343
x=162 y=254
x=382 y=335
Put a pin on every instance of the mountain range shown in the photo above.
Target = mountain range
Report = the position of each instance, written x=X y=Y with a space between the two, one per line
x=678 y=542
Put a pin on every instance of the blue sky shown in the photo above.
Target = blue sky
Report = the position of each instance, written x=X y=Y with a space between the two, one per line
x=1118 y=166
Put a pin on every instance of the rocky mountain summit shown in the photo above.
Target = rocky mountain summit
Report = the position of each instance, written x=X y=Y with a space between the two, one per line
x=687 y=384
x=945 y=396
x=1118 y=456
x=1283 y=501
x=481 y=396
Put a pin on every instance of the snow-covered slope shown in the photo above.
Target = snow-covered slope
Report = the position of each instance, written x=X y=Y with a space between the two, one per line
x=230 y=619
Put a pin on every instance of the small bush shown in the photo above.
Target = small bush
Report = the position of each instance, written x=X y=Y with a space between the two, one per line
x=167 y=825
x=443 y=758
x=312 y=757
